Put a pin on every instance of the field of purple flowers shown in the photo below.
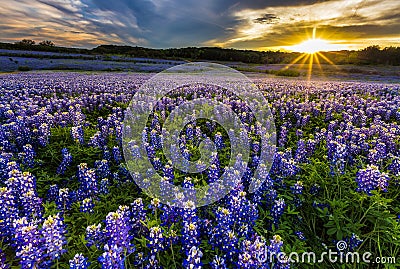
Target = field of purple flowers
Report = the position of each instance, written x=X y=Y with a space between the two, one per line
x=68 y=200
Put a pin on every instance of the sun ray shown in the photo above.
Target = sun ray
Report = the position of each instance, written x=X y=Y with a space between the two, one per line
x=318 y=63
x=295 y=61
x=327 y=59
x=310 y=66
x=304 y=60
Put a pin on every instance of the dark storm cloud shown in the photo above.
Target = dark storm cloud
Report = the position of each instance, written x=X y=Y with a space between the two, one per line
x=267 y=18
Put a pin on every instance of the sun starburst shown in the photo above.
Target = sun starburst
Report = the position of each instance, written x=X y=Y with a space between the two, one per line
x=312 y=50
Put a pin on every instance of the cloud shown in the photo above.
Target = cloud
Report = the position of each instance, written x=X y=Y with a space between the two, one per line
x=253 y=24
x=335 y=20
x=267 y=18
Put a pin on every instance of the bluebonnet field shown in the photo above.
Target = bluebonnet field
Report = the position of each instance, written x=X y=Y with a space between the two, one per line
x=68 y=201
x=12 y=60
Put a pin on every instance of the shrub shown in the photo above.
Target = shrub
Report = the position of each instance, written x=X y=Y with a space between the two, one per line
x=287 y=73
x=24 y=68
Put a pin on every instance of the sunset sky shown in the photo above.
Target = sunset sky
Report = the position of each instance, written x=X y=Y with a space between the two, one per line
x=251 y=24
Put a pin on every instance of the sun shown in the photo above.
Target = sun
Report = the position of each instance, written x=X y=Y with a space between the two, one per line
x=312 y=50
x=312 y=46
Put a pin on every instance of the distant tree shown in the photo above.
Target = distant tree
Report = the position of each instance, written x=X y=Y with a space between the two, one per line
x=370 y=55
x=26 y=42
x=47 y=43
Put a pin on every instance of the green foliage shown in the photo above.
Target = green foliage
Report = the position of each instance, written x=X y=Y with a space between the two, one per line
x=23 y=68
x=286 y=73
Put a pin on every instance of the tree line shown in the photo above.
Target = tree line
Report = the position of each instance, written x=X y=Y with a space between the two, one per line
x=370 y=55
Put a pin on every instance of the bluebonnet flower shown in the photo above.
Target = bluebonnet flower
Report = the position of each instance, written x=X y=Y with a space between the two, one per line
x=198 y=133
x=218 y=263
x=31 y=204
x=186 y=154
x=156 y=240
x=381 y=150
x=193 y=260
x=300 y=235
x=222 y=235
x=87 y=205
x=200 y=166
x=3 y=264
x=219 y=142
x=297 y=188
x=244 y=212
x=284 y=165
x=283 y=137
x=44 y=134
x=79 y=262
x=66 y=161
x=371 y=178
x=53 y=231
x=118 y=229
x=257 y=249
x=212 y=173
x=117 y=154
x=155 y=204
x=153 y=263
x=275 y=245
x=5 y=158
x=157 y=163
x=28 y=156
x=97 y=140
x=112 y=258
x=88 y=187
x=95 y=236
x=229 y=242
x=277 y=210
x=301 y=152
x=139 y=259
x=283 y=263
x=155 y=139
x=255 y=147
x=373 y=156
x=23 y=188
x=138 y=214
x=8 y=213
x=102 y=168
x=190 y=236
x=169 y=215
x=168 y=171
x=315 y=189
x=151 y=151
x=106 y=154
x=77 y=134
x=299 y=133
x=52 y=193
x=337 y=153
x=29 y=248
x=189 y=132
x=104 y=186
x=394 y=167
x=64 y=200
x=353 y=242
x=310 y=146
